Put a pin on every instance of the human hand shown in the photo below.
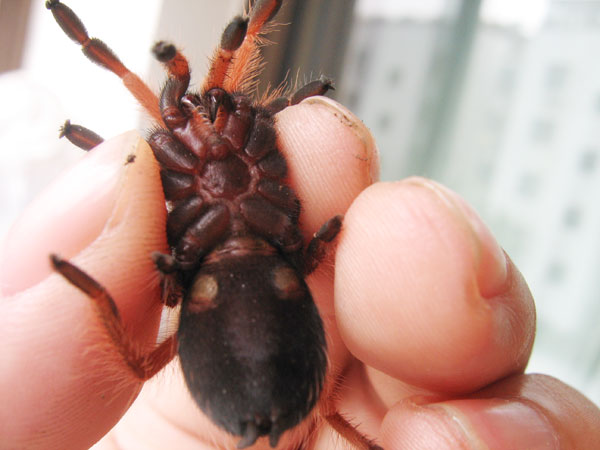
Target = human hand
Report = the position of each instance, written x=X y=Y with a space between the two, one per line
x=432 y=330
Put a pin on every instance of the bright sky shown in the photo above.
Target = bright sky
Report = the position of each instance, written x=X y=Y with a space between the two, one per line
x=425 y=9
x=525 y=14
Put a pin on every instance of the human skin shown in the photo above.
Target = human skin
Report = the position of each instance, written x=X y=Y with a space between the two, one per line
x=429 y=323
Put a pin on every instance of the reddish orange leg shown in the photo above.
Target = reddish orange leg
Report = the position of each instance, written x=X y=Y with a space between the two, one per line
x=177 y=85
x=143 y=366
x=235 y=61
x=232 y=38
x=174 y=61
x=98 y=52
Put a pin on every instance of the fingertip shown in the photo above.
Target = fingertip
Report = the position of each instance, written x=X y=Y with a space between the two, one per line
x=471 y=423
x=72 y=212
x=106 y=215
x=572 y=418
x=522 y=411
x=410 y=291
x=331 y=156
x=60 y=371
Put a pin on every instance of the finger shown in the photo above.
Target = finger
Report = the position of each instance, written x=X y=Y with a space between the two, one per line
x=522 y=411
x=106 y=216
x=425 y=294
x=331 y=157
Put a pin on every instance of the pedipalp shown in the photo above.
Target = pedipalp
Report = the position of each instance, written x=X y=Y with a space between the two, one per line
x=310 y=89
x=80 y=136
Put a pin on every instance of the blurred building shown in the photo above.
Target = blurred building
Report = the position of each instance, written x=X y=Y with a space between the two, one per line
x=385 y=82
x=546 y=185
x=467 y=156
x=516 y=131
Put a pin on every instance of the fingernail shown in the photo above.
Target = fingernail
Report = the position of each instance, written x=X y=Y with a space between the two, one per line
x=356 y=125
x=490 y=260
x=67 y=216
x=500 y=424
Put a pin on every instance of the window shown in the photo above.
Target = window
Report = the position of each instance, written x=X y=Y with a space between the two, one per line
x=572 y=217
x=528 y=184
x=555 y=77
x=395 y=77
x=542 y=130
x=555 y=272
x=588 y=161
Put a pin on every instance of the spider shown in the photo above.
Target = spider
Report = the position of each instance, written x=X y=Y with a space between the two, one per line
x=250 y=339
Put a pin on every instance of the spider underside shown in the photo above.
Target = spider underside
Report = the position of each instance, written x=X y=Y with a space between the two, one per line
x=250 y=340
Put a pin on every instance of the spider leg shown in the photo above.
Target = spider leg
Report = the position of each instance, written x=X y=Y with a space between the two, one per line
x=143 y=366
x=80 y=136
x=237 y=60
x=350 y=433
x=316 y=87
x=174 y=61
x=179 y=80
x=167 y=265
x=233 y=36
x=317 y=246
x=98 y=52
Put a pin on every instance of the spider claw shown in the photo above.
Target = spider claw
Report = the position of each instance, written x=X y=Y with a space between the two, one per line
x=274 y=436
x=250 y=435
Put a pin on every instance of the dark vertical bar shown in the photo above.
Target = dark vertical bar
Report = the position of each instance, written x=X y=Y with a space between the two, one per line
x=446 y=84
x=310 y=42
x=14 y=15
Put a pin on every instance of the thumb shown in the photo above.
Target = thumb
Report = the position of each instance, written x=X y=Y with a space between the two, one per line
x=57 y=366
x=520 y=411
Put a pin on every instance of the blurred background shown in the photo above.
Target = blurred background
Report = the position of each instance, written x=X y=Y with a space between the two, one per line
x=498 y=99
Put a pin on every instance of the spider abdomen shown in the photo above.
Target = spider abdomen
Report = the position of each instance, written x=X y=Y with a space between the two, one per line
x=251 y=342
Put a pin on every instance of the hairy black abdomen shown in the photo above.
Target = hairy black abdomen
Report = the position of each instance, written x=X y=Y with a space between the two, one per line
x=252 y=345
